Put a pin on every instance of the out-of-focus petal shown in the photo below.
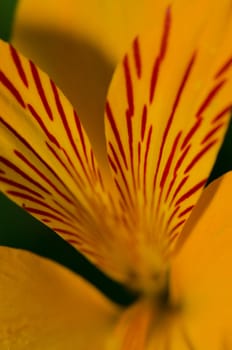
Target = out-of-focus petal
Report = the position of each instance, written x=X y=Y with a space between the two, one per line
x=108 y=25
x=45 y=306
x=201 y=272
x=166 y=115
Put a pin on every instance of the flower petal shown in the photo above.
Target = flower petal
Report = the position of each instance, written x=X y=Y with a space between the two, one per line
x=45 y=306
x=166 y=115
x=201 y=271
x=108 y=25
x=47 y=164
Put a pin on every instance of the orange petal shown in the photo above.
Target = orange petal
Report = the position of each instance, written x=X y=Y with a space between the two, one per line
x=45 y=306
x=166 y=115
x=201 y=271
x=47 y=164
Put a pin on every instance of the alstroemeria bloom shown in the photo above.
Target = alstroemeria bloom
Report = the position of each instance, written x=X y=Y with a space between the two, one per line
x=167 y=111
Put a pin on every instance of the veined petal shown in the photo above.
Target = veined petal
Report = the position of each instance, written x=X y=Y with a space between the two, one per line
x=47 y=164
x=201 y=271
x=166 y=115
x=45 y=306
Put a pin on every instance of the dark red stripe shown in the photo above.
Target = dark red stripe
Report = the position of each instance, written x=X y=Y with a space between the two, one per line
x=130 y=142
x=35 y=200
x=224 y=68
x=41 y=175
x=129 y=87
x=120 y=169
x=38 y=84
x=116 y=132
x=145 y=160
x=211 y=133
x=24 y=175
x=80 y=183
x=172 y=216
x=179 y=187
x=27 y=145
x=39 y=120
x=67 y=129
x=222 y=113
x=12 y=89
x=170 y=233
x=209 y=98
x=18 y=65
x=188 y=194
x=113 y=166
x=162 y=52
x=191 y=132
x=43 y=213
x=80 y=132
x=137 y=57
x=21 y=187
x=199 y=156
x=170 y=120
x=144 y=121
x=169 y=161
x=186 y=211
x=121 y=192
x=178 y=165
x=139 y=163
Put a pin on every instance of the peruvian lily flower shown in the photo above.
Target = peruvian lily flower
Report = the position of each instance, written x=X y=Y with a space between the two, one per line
x=148 y=223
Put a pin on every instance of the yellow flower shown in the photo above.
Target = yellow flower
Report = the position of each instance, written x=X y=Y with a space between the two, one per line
x=167 y=111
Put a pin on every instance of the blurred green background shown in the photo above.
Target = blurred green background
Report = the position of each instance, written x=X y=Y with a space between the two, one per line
x=18 y=229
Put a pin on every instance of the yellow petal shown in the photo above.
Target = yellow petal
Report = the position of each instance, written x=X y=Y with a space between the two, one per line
x=108 y=25
x=47 y=164
x=166 y=115
x=201 y=271
x=45 y=306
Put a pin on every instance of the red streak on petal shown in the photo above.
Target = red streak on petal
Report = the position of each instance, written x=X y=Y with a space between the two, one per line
x=116 y=132
x=176 y=227
x=38 y=84
x=30 y=148
x=137 y=57
x=186 y=211
x=12 y=89
x=188 y=194
x=209 y=98
x=220 y=115
x=170 y=159
x=211 y=133
x=145 y=161
x=39 y=120
x=113 y=166
x=170 y=120
x=191 y=132
x=80 y=132
x=120 y=169
x=179 y=187
x=43 y=213
x=18 y=64
x=144 y=121
x=200 y=155
x=162 y=52
x=41 y=175
x=24 y=175
x=67 y=129
x=21 y=187
x=129 y=87
x=130 y=141
x=178 y=165
x=224 y=68
x=35 y=200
